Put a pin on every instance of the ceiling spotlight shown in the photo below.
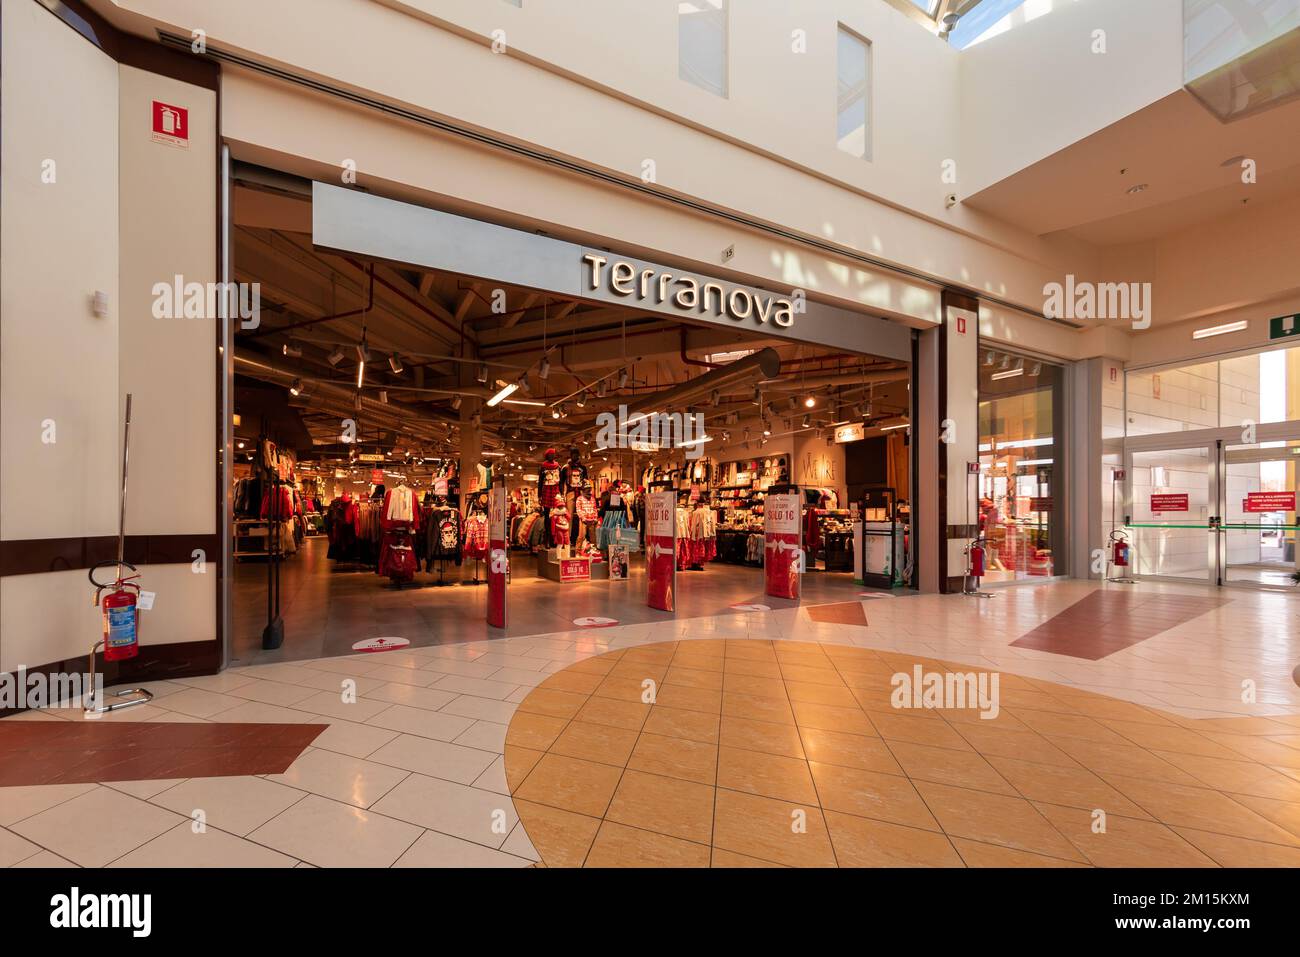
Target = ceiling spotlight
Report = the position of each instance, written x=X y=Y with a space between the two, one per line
x=556 y=411
x=715 y=397
x=456 y=403
x=807 y=421
x=363 y=354
x=794 y=403
x=482 y=375
x=296 y=388
x=395 y=364
x=988 y=358
x=1037 y=369
x=336 y=356
x=600 y=389
x=1005 y=363
x=758 y=396
x=767 y=428
x=292 y=350
x=544 y=370
x=810 y=402
x=582 y=401
x=726 y=436
x=383 y=397
x=531 y=447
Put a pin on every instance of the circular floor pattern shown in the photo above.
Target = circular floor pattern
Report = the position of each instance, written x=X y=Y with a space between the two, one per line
x=766 y=753
x=381 y=644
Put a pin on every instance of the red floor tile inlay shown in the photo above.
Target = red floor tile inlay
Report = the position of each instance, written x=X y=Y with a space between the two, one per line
x=86 y=752
x=1105 y=622
x=840 y=613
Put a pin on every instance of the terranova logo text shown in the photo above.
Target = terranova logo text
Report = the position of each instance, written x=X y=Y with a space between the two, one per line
x=651 y=431
x=203 y=300
x=933 y=690
x=1128 y=301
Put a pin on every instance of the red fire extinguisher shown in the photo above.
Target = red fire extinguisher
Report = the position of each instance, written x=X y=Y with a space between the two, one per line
x=1119 y=556
x=120 y=612
x=976 y=559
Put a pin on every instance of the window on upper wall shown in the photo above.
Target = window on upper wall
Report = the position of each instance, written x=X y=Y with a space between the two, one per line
x=702 y=44
x=853 y=65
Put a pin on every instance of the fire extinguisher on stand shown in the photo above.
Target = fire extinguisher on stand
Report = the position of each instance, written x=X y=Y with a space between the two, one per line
x=120 y=608
x=977 y=546
x=1118 y=558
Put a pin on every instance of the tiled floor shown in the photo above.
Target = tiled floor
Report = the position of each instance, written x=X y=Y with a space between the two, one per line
x=412 y=771
x=746 y=752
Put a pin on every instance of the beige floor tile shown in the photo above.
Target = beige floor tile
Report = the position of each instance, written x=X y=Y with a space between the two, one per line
x=675 y=758
x=687 y=698
x=485 y=736
x=480 y=816
x=181 y=847
x=420 y=721
x=198 y=703
x=1129 y=760
x=1155 y=737
x=756 y=667
x=664 y=805
x=45 y=859
x=1054 y=724
x=771 y=830
x=348 y=737
x=693 y=677
x=14 y=849
x=340 y=777
x=723 y=858
x=570 y=784
x=572 y=681
x=334 y=705
x=272 y=692
x=860 y=842
x=415 y=696
x=912 y=729
x=553 y=703
x=561 y=838
x=770 y=775
x=675 y=723
x=1257 y=748
x=437 y=759
x=823 y=694
x=238 y=805
x=1022 y=745
x=883 y=797
x=75 y=829
x=1125 y=842
x=763 y=687
x=441 y=850
x=619 y=846
x=769 y=737
x=519 y=763
x=533 y=731
x=329 y=834
x=994 y=819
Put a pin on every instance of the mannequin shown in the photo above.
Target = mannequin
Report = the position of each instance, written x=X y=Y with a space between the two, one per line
x=550 y=492
x=573 y=476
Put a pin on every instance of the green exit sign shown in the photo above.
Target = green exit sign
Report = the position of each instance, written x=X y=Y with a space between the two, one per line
x=1283 y=327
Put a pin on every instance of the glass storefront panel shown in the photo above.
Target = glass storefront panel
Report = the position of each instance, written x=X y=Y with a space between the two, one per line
x=1021 y=411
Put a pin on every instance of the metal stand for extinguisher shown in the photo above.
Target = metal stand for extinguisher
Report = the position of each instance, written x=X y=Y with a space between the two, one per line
x=129 y=697
x=1117 y=546
x=974 y=551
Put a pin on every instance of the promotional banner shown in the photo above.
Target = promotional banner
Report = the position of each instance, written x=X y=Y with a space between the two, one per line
x=783 y=559
x=661 y=549
x=498 y=557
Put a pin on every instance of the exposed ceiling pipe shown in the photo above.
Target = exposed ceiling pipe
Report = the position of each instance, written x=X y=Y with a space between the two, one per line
x=370 y=301
x=423 y=307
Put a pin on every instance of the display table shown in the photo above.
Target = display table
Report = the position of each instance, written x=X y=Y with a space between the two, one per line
x=569 y=571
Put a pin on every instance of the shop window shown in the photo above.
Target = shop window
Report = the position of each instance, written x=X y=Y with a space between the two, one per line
x=1020 y=466
x=853 y=66
x=702 y=44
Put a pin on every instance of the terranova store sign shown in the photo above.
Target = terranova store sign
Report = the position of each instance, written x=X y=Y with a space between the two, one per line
x=349 y=221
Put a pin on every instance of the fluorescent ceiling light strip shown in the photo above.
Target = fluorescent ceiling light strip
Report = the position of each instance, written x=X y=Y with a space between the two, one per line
x=532 y=402
x=1009 y=374
x=508 y=390
x=1220 y=330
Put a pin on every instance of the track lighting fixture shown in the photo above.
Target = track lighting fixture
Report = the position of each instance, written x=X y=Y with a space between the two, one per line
x=810 y=402
x=544 y=369
x=383 y=397
x=456 y=403
x=582 y=401
x=1037 y=369
x=988 y=358
x=336 y=356
x=296 y=388
x=482 y=375
x=767 y=428
x=556 y=412
x=291 y=350
x=794 y=403
x=622 y=379
x=807 y=421
x=395 y=364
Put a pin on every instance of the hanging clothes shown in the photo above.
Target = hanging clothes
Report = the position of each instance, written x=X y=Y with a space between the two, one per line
x=476 y=536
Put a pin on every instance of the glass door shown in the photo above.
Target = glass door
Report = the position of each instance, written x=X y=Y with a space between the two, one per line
x=1259 y=514
x=1172 y=516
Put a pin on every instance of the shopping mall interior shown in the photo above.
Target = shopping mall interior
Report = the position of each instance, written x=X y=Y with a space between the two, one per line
x=713 y=434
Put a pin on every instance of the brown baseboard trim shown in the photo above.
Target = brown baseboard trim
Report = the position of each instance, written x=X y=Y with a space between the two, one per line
x=186 y=659
x=39 y=556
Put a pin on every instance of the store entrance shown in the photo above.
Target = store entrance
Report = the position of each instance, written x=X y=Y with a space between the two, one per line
x=1212 y=511
x=377 y=404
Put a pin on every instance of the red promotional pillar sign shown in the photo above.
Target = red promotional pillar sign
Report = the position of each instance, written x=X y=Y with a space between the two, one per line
x=782 y=546
x=498 y=557
x=661 y=549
